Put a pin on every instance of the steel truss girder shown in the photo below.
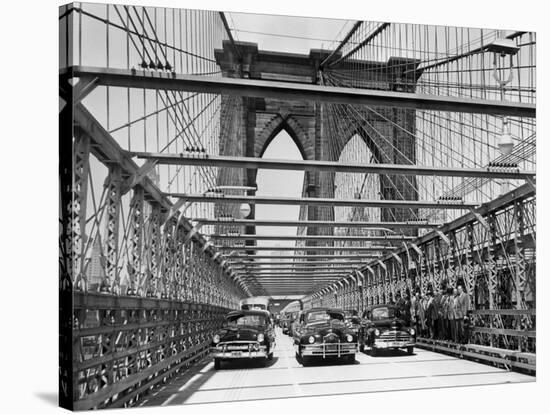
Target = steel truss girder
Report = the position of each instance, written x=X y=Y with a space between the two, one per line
x=136 y=240
x=333 y=202
x=469 y=247
x=112 y=229
x=76 y=210
x=292 y=91
x=108 y=152
x=222 y=161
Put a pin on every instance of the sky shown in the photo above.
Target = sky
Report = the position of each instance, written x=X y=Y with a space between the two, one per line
x=321 y=33
x=281 y=184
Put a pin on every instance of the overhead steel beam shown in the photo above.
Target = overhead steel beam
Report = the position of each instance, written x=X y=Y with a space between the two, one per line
x=311 y=273
x=337 y=257
x=319 y=223
x=297 y=268
x=222 y=161
x=145 y=79
x=308 y=248
x=304 y=201
x=295 y=264
x=392 y=238
x=280 y=282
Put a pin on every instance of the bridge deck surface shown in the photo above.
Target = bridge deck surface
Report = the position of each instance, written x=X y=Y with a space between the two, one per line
x=284 y=377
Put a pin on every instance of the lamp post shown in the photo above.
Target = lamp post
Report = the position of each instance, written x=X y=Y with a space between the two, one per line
x=504 y=48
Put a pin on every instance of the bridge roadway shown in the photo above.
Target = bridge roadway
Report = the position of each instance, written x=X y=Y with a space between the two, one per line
x=284 y=377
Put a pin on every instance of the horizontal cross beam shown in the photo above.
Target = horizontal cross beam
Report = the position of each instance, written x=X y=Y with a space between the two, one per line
x=290 y=264
x=145 y=79
x=308 y=248
x=205 y=198
x=319 y=223
x=395 y=239
x=295 y=268
x=312 y=273
x=336 y=257
x=221 y=161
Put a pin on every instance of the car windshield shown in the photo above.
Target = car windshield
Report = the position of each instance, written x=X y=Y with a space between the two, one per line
x=239 y=320
x=383 y=313
x=254 y=306
x=323 y=316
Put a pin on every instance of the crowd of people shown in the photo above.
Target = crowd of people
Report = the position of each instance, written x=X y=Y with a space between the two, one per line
x=443 y=315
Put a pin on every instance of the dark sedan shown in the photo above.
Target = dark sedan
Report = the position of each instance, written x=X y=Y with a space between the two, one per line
x=245 y=334
x=323 y=333
x=385 y=329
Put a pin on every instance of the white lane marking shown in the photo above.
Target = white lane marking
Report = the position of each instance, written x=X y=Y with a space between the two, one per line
x=295 y=386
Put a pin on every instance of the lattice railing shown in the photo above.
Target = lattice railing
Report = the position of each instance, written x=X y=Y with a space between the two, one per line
x=125 y=346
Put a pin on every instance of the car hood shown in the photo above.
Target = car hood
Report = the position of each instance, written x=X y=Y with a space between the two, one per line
x=248 y=333
x=325 y=328
x=394 y=323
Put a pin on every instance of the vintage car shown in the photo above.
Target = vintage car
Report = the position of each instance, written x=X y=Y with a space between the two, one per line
x=385 y=329
x=322 y=333
x=244 y=334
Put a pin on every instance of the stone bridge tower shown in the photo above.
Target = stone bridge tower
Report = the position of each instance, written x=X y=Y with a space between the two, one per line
x=306 y=121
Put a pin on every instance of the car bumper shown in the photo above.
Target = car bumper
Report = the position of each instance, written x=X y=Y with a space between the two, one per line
x=392 y=344
x=240 y=352
x=327 y=350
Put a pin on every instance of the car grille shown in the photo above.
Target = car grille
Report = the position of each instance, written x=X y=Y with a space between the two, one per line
x=394 y=336
x=331 y=338
x=236 y=346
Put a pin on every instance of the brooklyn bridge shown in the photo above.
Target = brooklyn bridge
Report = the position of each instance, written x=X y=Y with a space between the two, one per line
x=199 y=168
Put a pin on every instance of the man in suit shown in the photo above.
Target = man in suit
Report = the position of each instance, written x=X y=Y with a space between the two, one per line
x=453 y=316
x=431 y=315
x=439 y=299
x=462 y=307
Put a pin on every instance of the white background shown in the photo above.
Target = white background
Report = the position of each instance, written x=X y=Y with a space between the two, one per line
x=29 y=205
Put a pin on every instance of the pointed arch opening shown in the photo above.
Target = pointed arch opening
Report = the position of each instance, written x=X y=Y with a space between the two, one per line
x=280 y=184
x=356 y=186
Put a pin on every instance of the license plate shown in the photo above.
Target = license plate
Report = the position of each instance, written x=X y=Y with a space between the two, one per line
x=331 y=348
x=236 y=353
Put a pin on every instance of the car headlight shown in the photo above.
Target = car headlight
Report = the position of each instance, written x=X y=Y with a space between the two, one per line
x=412 y=331
x=311 y=339
x=349 y=338
x=216 y=339
x=260 y=337
x=376 y=332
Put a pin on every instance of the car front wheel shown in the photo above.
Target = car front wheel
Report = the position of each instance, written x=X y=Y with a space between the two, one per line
x=410 y=350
